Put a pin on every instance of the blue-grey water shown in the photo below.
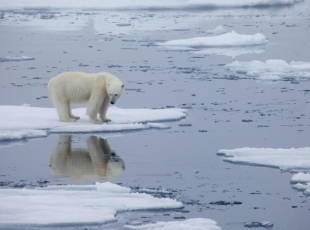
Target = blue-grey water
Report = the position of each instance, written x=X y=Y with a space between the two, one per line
x=182 y=159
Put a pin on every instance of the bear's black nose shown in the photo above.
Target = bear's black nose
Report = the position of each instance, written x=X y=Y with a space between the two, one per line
x=112 y=102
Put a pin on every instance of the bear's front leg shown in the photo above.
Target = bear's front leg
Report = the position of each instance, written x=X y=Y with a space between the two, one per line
x=103 y=110
x=94 y=103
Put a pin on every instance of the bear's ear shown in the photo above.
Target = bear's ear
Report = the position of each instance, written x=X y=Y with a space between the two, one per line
x=122 y=86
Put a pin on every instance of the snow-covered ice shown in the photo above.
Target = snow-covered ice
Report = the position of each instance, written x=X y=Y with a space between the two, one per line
x=230 y=39
x=24 y=121
x=301 y=182
x=286 y=159
x=141 y=4
x=192 y=224
x=300 y=178
x=74 y=205
x=12 y=135
x=22 y=58
x=271 y=69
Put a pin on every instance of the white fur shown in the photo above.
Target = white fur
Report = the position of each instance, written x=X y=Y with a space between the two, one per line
x=98 y=89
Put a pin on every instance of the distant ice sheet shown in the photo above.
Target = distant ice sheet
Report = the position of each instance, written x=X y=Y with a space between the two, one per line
x=141 y=4
x=287 y=159
x=22 y=58
x=271 y=69
x=192 y=224
x=74 y=205
x=20 y=122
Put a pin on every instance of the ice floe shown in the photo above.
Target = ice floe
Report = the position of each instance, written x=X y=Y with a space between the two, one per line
x=286 y=159
x=22 y=58
x=20 y=122
x=230 y=39
x=296 y=160
x=140 y=4
x=301 y=182
x=74 y=205
x=217 y=30
x=192 y=224
x=229 y=44
x=271 y=69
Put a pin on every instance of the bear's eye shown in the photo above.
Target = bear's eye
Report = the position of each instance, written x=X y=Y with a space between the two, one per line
x=115 y=94
x=110 y=94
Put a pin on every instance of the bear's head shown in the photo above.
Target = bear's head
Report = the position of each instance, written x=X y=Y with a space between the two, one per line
x=115 y=90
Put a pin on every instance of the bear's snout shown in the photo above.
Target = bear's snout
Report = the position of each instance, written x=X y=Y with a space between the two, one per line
x=112 y=102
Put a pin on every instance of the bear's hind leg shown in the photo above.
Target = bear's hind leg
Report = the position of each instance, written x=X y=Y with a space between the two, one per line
x=70 y=112
x=63 y=109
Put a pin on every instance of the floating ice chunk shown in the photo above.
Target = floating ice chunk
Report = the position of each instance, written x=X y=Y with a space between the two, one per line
x=271 y=69
x=217 y=30
x=300 y=178
x=295 y=159
x=16 y=118
x=305 y=188
x=22 y=58
x=192 y=224
x=301 y=183
x=230 y=39
x=259 y=224
x=74 y=205
x=292 y=159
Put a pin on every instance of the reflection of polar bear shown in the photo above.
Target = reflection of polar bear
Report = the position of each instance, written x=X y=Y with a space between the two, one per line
x=97 y=161
x=98 y=89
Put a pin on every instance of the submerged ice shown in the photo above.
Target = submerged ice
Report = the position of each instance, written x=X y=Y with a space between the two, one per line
x=192 y=224
x=73 y=205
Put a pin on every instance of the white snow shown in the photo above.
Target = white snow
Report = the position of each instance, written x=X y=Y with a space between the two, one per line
x=272 y=69
x=192 y=224
x=291 y=159
x=17 y=122
x=22 y=58
x=225 y=40
x=139 y=4
x=74 y=205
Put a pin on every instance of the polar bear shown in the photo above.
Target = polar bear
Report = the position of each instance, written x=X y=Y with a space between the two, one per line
x=98 y=89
